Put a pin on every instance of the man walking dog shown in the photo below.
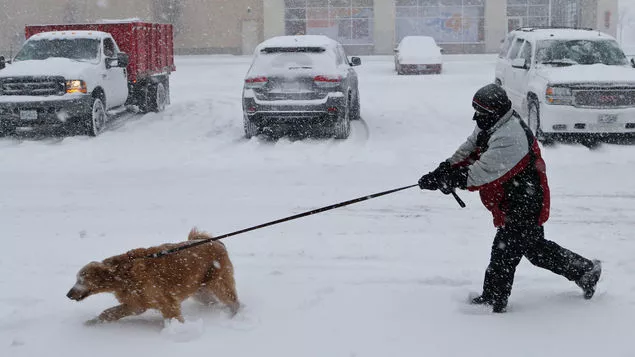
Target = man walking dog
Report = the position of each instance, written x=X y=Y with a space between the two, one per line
x=502 y=160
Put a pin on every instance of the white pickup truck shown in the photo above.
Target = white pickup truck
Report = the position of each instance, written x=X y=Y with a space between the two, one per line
x=60 y=78
x=72 y=76
x=569 y=84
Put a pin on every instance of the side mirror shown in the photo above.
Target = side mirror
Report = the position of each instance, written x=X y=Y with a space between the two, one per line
x=122 y=60
x=519 y=63
x=356 y=61
x=441 y=50
x=632 y=62
x=396 y=49
x=3 y=62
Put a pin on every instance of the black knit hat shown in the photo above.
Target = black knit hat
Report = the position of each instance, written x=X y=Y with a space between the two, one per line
x=491 y=100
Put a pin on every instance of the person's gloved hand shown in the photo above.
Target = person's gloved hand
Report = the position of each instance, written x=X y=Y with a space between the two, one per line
x=429 y=182
x=449 y=178
x=444 y=186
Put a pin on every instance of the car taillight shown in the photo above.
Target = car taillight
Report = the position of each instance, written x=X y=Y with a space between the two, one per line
x=327 y=81
x=256 y=82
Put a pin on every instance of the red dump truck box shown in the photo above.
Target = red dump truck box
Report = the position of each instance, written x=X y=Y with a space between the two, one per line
x=149 y=45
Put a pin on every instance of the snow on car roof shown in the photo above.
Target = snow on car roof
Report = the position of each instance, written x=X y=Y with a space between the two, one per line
x=298 y=41
x=70 y=34
x=569 y=34
x=119 y=21
x=419 y=39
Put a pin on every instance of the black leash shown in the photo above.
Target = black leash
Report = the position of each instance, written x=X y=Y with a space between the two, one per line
x=300 y=215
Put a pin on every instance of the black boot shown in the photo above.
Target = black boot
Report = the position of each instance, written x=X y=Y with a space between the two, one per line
x=482 y=300
x=499 y=307
x=590 y=279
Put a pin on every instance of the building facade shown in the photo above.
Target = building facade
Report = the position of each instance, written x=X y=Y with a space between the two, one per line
x=201 y=26
x=363 y=26
x=459 y=26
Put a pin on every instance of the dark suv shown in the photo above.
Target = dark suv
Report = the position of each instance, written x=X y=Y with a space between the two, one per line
x=302 y=84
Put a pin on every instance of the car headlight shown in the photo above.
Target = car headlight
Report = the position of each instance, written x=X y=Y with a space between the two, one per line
x=76 y=86
x=559 y=95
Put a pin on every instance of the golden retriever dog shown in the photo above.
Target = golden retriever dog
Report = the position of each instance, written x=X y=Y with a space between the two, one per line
x=140 y=282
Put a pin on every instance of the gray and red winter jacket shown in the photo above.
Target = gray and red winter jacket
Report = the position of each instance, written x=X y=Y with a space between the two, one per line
x=505 y=165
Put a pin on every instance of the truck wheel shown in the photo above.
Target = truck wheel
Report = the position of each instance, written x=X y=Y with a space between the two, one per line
x=158 y=97
x=533 y=121
x=95 y=122
x=251 y=129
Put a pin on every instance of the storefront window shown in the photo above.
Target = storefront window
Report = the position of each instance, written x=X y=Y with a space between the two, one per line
x=528 y=13
x=348 y=21
x=565 y=13
x=447 y=21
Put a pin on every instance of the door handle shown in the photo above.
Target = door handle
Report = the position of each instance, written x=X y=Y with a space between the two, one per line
x=104 y=75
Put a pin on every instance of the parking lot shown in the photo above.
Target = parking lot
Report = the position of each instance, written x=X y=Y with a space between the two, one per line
x=388 y=276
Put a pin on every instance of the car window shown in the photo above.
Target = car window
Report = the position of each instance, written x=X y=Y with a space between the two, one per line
x=109 y=48
x=340 y=56
x=76 y=48
x=526 y=53
x=513 y=53
x=293 y=59
x=580 y=51
x=504 y=49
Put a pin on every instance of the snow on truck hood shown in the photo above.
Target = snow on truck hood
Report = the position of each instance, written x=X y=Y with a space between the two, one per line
x=64 y=67
x=589 y=74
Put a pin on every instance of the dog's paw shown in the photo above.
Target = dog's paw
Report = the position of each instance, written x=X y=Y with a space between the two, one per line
x=93 y=322
x=234 y=309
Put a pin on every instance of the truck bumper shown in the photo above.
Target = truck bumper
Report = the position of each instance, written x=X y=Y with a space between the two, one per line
x=16 y=112
x=293 y=115
x=562 y=121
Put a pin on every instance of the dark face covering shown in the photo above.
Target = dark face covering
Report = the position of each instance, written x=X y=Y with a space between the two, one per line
x=485 y=121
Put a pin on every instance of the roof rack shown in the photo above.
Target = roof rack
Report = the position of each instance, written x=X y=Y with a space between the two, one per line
x=533 y=28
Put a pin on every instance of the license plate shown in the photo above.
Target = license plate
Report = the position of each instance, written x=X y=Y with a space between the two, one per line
x=607 y=118
x=423 y=66
x=28 y=114
x=291 y=87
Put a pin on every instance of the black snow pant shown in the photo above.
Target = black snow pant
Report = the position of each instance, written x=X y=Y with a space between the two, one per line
x=511 y=244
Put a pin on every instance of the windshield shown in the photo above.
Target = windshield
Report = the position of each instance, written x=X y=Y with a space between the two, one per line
x=77 y=49
x=570 y=52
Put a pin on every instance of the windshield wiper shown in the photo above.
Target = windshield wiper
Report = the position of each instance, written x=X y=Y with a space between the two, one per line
x=300 y=67
x=560 y=62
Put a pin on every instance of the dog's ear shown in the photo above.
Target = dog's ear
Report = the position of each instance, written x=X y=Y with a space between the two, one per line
x=99 y=269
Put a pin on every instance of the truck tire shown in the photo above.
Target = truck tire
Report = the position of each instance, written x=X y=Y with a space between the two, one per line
x=533 y=121
x=95 y=121
x=157 y=97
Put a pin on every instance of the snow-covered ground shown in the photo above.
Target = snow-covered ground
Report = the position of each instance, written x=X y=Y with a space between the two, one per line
x=386 y=277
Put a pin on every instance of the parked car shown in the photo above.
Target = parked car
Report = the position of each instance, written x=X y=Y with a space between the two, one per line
x=418 y=55
x=301 y=83
x=568 y=83
x=70 y=76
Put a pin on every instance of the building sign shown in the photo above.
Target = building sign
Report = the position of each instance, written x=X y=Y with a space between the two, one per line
x=462 y=22
x=452 y=27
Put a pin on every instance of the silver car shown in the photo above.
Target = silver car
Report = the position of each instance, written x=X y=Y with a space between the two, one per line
x=301 y=84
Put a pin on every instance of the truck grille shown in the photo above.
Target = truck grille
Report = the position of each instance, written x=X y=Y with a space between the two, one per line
x=605 y=98
x=32 y=86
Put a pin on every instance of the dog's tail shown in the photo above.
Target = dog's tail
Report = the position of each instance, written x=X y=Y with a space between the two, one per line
x=195 y=234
